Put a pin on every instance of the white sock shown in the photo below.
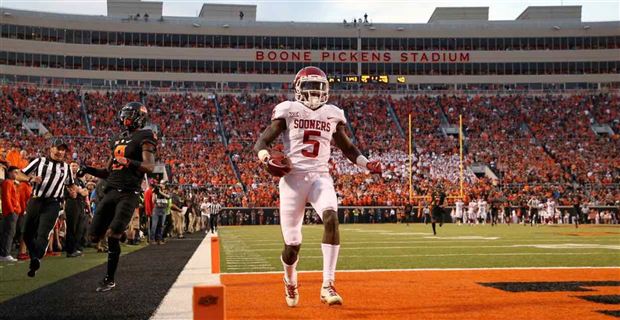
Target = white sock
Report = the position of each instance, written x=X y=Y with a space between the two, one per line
x=330 y=259
x=290 y=271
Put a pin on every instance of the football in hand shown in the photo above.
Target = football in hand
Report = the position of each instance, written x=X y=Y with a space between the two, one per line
x=279 y=164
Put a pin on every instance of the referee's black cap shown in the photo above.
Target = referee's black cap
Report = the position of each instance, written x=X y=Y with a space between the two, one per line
x=59 y=143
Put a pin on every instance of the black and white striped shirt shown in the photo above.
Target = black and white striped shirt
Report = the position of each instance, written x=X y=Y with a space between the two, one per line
x=55 y=176
x=214 y=208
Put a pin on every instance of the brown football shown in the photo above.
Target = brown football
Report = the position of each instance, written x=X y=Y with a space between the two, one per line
x=279 y=164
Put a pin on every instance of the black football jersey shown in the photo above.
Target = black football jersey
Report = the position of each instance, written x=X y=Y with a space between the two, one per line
x=438 y=198
x=129 y=145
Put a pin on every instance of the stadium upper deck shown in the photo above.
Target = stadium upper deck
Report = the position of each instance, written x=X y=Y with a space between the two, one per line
x=541 y=48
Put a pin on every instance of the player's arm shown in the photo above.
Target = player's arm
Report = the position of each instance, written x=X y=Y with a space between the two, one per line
x=270 y=134
x=351 y=152
x=101 y=173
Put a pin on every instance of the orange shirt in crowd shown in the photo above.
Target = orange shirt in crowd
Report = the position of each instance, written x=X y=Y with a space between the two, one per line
x=24 y=191
x=10 y=199
x=14 y=158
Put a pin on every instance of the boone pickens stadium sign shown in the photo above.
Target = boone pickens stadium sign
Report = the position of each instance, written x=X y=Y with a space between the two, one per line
x=363 y=56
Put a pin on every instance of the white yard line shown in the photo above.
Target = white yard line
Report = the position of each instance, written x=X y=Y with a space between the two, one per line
x=435 y=269
x=177 y=304
x=435 y=247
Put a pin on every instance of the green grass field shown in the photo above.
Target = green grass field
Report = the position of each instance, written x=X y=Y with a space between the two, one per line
x=14 y=281
x=398 y=246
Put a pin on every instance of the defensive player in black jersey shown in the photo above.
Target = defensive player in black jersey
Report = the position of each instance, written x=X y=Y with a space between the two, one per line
x=133 y=155
x=437 y=201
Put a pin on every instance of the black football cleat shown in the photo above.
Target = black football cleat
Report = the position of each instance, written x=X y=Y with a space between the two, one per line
x=106 y=285
x=35 y=264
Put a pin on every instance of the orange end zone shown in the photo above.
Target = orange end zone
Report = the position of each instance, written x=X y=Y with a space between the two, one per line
x=427 y=295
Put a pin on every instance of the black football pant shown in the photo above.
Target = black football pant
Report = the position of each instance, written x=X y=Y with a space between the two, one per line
x=213 y=223
x=114 y=212
x=39 y=221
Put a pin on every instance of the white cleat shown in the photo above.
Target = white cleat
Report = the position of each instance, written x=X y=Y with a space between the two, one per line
x=291 y=294
x=330 y=296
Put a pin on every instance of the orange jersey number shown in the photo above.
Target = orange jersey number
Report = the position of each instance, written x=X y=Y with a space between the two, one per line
x=119 y=151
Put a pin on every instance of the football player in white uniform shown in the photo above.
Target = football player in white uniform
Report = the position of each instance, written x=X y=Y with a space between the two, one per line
x=459 y=211
x=308 y=125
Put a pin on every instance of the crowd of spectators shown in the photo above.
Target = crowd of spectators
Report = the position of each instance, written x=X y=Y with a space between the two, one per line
x=533 y=144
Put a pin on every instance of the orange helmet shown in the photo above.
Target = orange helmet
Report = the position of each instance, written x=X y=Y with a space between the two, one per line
x=311 y=87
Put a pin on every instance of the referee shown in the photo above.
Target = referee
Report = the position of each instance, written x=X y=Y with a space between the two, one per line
x=51 y=177
x=214 y=211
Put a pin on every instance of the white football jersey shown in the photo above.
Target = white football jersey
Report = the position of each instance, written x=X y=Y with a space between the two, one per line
x=308 y=135
x=459 y=208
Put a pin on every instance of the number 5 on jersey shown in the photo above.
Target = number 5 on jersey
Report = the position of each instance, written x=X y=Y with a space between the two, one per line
x=119 y=151
x=308 y=134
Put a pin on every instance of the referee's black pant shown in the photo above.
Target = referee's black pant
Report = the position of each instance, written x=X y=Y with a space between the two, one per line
x=39 y=221
x=213 y=222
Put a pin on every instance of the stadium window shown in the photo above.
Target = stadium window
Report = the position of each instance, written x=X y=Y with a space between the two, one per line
x=112 y=38
x=452 y=68
x=151 y=65
x=199 y=41
x=297 y=43
x=492 y=69
x=484 y=44
x=35 y=33
x=11 y=58
x=183 y=66
x=484 y=68
x=442 y=44
x=460 y=44
x=10 y=31
x=587 y=43
x=175 y=40
x=20 y=33
x=466 y=68
x=314 y=44
x=280 y=43
x=379 y=43
x=492 y=44
x=579 y=43
x=596 y=67
x=613 y=42
x=475 y=44
x=385 y=68
x=148 y=40
x=77 y=36
x=226 y=43
x=264 y=43
x=427 y=44
x=580 y=68
x=3 y=57
x=407 y=69
x=365 y=43
x=208 y=41
x=587 y=67
x=69 y=36
x=27 y=33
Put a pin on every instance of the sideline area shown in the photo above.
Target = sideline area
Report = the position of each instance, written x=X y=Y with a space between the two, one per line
x=143 y=280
